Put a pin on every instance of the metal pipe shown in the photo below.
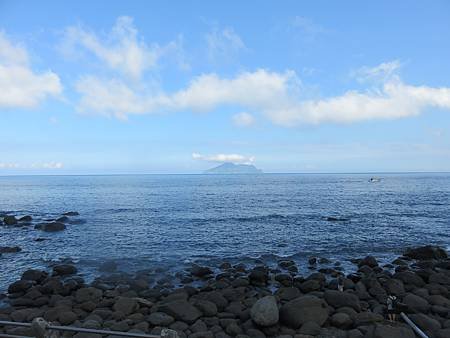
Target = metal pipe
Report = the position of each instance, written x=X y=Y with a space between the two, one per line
x=414 y=326
x=165 y=333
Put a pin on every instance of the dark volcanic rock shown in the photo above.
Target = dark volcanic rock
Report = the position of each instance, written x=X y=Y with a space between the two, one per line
x=64 y=269
x=25 y=219
x=200 y=271
x=50 y=227
x=19 y=286
x=265 y=311
x=369 y=261
x=71 y=213
x=34 y=275
x=10 y=220
x=426 y=252
x=181 y=310
x=304 y=309
x=339 y=299
x=62 y=219
x=9 y=249
x=259 y=276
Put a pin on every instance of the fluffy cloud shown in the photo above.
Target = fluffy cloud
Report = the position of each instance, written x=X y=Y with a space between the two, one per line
x=20 y=86
x=243 y=119
x=234 y=158
x=123 y=50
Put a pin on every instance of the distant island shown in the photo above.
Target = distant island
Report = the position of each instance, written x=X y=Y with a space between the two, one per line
x=231 y=168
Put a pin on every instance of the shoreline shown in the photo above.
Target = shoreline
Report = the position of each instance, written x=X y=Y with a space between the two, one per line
x=238 y=301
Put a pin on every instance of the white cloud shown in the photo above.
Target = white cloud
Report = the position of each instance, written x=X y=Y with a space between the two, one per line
x=20 y=86
x=243 y=119
x=234 y=158
x=223 y=44
x=123 y=50
x=275 y=95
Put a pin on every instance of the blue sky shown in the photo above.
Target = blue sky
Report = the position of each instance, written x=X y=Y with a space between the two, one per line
x=177 y=87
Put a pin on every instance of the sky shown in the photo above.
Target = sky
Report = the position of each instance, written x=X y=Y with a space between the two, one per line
x=106 y=87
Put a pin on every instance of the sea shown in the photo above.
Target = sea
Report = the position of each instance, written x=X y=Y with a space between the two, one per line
x=168 y=222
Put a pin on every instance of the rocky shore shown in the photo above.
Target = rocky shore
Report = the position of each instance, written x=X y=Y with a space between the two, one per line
x=244 y=302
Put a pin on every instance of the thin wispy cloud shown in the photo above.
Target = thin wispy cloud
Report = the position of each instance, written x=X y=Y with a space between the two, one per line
x=223 y=45
x=306 y=28
x=37 y=165
x=220 y=158
x=20 y=85
x=244 y=119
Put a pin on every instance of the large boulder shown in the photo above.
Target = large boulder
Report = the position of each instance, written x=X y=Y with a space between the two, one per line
x=339 y=299
x=19 y=286
x=265 y=311
x=341 y=320
x=51 y=226
x=369 y=261
x=409 y=277
x=200 y=271
x=181 y=310
x=64 y=269
x=416 y=303
x=88 y=294
x=304 y=309
x=160 y=319
x=259 y=276
x=425 y=323
x=34 y=275
x=394 y=287
x=126 y=305
x=426 y=252
x=366 y=318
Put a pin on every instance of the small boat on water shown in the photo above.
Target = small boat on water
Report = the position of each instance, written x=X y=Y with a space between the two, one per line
x=374 y=179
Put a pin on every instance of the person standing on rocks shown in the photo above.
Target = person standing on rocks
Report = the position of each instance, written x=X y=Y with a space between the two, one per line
x=392 y=308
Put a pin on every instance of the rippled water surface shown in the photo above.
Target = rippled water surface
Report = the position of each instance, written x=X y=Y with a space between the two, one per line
x=167 y=220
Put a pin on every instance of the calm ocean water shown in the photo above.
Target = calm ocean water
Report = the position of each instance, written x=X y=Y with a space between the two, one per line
x=146 y=221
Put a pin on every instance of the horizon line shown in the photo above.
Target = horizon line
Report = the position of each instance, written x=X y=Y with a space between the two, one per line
x=240 y=174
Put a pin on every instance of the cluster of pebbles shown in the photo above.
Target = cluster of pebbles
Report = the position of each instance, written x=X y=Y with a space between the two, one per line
x=243 y=302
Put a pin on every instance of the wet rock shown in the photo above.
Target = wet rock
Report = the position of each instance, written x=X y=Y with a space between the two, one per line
x=312 y=261
x=19 y=286
x=369 y=261
x=50 y=227
x=297 y=312
x=9 y=249
x=200 y=271
x=71 y=213
x=160 y=319
x=340 y=299
x=25 y=219
x=181 y=310
x=10 y=220
x=259 y=276
x=426 y=252
x=64 y=269
x=265 y=311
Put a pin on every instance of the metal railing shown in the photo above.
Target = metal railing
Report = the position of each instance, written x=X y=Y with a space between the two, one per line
x=41 y=329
